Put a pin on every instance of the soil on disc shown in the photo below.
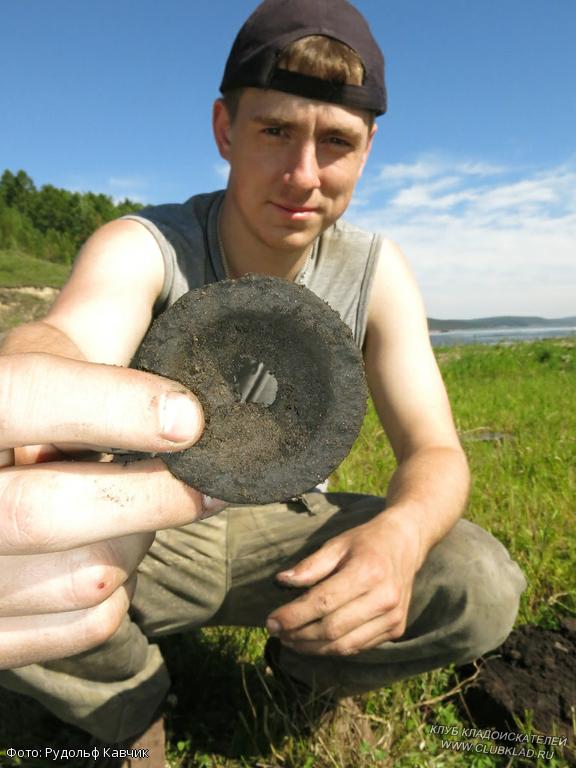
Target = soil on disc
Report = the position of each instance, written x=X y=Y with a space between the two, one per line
x=253 y=450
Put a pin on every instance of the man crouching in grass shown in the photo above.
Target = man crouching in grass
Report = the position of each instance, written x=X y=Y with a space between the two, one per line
x=389 y=587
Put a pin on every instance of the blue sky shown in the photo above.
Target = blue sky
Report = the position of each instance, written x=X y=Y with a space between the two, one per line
x=473 y=172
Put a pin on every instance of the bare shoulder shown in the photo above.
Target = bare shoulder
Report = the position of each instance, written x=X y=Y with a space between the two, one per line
x=396 y=307
x=106 y=305
x=401 y=368
x=118 y=251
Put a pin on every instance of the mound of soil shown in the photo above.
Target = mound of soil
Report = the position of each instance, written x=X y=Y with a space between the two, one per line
x=535 y=669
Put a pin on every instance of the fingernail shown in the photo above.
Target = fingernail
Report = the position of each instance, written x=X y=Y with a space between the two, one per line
x=286 y=574
x=273 y=627
x=181 y=418
x=211 y=506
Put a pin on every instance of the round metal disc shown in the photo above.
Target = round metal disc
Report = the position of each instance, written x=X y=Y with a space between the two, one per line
x=260 y=452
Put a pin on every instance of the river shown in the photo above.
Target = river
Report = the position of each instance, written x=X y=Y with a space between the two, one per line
x=497 y=335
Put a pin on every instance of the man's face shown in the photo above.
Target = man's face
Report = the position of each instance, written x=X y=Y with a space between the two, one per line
x=294 y=164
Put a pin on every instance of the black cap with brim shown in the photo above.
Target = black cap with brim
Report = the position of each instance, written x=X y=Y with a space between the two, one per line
x=252 y=62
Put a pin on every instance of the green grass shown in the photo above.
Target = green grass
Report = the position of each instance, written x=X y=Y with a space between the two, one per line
x=525 y=484
x=18 y=268
x=226 y=713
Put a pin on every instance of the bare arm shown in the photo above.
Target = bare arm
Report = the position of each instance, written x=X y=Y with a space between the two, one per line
x=104 y=309
x=430 y=486
x=360 y=583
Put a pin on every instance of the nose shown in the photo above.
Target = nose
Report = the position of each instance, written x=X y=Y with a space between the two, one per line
x=303 y=170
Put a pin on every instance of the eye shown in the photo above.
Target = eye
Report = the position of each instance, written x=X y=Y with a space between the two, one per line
x=338 y=141
x=273 y=130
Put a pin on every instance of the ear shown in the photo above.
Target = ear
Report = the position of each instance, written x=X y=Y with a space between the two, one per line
x=222 y=128
x=371 y=135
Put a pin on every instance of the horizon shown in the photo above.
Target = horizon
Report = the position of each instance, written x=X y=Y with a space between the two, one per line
x=564 y=318
x=473 y=171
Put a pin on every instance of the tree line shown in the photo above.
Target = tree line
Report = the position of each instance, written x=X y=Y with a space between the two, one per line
x=51 y=223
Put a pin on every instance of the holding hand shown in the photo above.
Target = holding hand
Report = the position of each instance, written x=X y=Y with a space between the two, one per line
x=360 y=584
x=72 y=533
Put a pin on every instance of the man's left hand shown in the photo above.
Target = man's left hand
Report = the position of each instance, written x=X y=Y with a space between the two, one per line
x=359 y=589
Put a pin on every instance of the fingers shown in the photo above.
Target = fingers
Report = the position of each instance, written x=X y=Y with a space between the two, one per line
x=363 y=602
x=68 y=581
x=58 y=506
x=341 y=621
x=364 y=622
x=50 y=399
x=369 y=635
x=361 y=624
x=320 y=601
x=37 y=454
x=29 y=639
x=212 y=506
x=316 y=567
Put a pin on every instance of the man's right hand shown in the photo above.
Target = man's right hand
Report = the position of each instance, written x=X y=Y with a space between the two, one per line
x=73 y=533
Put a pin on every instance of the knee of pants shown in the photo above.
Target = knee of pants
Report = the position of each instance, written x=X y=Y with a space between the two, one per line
x=183 y=580
x=488 y=595
x=161 y=609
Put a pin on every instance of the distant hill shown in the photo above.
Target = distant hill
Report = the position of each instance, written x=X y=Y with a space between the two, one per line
x=505 y=321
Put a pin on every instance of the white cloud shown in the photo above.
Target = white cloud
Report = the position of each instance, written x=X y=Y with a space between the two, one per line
x=430 y=166
x=222 y=170
x=517 y=196
x=422 y=169
x=425 y=195
x=482 y=239
x=475 y=168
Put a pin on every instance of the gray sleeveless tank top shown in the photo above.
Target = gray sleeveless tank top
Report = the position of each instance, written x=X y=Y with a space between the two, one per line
x=340 y=269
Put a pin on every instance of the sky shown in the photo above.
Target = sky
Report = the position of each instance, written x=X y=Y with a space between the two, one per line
x=473 y=171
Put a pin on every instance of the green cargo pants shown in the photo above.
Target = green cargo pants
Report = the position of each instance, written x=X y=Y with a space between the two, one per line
x=221 y=572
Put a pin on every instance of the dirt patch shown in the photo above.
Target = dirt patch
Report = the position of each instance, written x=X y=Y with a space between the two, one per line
x=534 y=670
x=448 y=355
x=23 y=304
x=45 y=293
x=484 y=435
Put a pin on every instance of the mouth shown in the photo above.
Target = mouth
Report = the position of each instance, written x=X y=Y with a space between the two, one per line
x=296 y=211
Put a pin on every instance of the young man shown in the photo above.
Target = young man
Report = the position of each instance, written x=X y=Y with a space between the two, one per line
x=388 y=588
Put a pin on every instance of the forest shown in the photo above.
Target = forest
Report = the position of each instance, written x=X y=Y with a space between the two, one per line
x=50 y=223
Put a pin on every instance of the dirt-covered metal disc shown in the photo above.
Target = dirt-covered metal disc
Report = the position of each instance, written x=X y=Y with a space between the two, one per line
x=289 y=441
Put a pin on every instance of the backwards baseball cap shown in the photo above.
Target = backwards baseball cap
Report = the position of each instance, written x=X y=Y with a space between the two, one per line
x=274 y=24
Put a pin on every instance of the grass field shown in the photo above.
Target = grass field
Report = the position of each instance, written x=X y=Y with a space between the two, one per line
x=20 y=269
x=514 y=409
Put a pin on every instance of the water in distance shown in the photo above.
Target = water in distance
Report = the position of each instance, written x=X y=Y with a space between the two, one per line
x=497 y=335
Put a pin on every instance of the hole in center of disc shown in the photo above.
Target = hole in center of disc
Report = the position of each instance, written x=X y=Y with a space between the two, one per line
x=253 y=383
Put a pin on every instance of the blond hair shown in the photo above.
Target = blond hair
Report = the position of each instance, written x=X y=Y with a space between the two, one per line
x=317 y=56
x=323 y=57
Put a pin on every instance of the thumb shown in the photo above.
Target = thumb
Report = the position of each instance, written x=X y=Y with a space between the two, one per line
x=314 y=568
x=51 y=399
